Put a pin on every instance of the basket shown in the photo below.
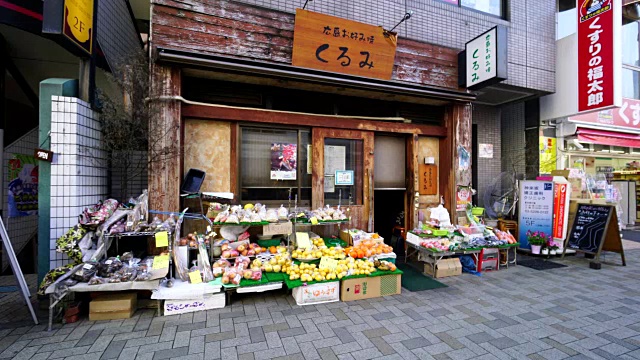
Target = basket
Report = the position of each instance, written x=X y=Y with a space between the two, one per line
x=269 y=243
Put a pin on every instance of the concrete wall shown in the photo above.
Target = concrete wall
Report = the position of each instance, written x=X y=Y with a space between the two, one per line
x=513 y=141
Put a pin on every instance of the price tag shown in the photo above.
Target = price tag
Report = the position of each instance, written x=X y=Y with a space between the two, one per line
x=303 y=240
x=161 y=262
x=162 y=239
x=314 y=220
x=87 y=266
x=195 y=277
x=328 y=263
x=108 y=262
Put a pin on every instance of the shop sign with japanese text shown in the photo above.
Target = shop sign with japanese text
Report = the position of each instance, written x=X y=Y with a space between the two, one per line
x=599 y=57
x=536 y=209
x=330 y=43
x=485 y=59
x=626 y=117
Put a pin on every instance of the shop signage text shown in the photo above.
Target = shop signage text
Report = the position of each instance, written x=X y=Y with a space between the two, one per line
x=560 y=210
x=44 y=155
x=333 y=44
x=536 y=209
x=484 y=60
x=626 y=117
x=599 y=58
x=428 y=180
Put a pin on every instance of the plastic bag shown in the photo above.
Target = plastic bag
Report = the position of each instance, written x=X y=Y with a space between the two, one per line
x=218 y=272
x=283 y=214
x=232 y=219
x=262 y=212
x=109 y=266
x=246 y=218
x=96 y=280
x=222 y=263
x=86 y=272
x=222 y=217
x=242 y=262
x=271 y=216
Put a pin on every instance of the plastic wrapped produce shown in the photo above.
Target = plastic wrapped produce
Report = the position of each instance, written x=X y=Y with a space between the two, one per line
x=232 y=219
x=283 y=213
x=271 y=216
x=255 y=218
x=109 y=266
x=222 y=217
x=96 y=280
x=86 y=272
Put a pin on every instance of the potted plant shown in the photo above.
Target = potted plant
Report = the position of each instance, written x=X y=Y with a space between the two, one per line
x=536 y=239
x=553 y=247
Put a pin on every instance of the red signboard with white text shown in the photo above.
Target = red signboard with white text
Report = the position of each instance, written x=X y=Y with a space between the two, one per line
x=625 y=118
x=599 y=58
x=560 y=201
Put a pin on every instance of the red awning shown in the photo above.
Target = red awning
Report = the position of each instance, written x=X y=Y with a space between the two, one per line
x=604 y=137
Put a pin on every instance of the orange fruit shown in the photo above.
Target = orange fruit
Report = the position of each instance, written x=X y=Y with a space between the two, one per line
x=273 y=250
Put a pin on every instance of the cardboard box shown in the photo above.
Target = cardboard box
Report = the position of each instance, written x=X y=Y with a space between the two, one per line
x=119 y=305
x=370 y=287
x=284 y=228
x=317 y=293
x=444 y=267
x=208 y=302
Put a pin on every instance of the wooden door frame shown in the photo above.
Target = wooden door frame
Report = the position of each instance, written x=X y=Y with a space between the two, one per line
x=317 y=178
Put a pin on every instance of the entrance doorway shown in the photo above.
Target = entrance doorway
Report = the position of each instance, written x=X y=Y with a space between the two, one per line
x=389 y=183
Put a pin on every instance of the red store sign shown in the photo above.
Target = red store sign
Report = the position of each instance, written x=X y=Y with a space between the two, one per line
x=599 y=58
x=626 y=117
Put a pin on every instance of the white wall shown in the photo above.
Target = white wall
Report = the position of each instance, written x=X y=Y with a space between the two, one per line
x=79 y=169
x=565 y=100
x=20 y=229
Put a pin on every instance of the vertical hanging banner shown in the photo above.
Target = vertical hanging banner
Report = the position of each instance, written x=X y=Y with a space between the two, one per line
x=599 y=54
x=561 y=197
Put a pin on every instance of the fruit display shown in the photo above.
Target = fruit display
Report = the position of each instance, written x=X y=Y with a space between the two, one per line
x=316 y=253
x=368 y=248
x=279 y=263
x=436 y=245
x=241 y=250
x=505 y=235
x=324 y=214
x=318 y=242
x=250 y=214
x=277 y=249
x=385 y=265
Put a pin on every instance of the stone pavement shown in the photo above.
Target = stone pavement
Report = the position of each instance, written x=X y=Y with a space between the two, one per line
x=519 y=313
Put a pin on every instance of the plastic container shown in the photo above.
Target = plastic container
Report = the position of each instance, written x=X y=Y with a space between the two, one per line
x=268 y=243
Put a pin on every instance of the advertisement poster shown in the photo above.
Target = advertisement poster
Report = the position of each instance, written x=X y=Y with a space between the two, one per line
x=464 y=160
x=536 y=209
x=547 y=155
x=344 y=177
x=463 y=197
x=284 y=161
x=485 y=151
x=561 y=196
x=23 y=186
x=334 y=159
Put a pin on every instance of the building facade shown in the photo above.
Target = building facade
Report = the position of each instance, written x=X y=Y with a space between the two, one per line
x=223 y=80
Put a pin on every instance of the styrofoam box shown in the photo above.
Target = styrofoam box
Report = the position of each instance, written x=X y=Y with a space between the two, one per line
x=208 y=302
x=317 y=293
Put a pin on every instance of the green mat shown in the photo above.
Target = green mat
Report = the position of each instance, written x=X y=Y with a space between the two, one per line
x=413 y=280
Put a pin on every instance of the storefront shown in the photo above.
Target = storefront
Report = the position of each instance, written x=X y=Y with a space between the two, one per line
x=271 y=132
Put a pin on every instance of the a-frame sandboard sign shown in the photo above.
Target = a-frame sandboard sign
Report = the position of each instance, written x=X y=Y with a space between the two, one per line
x=17 y=272
x=595 y=229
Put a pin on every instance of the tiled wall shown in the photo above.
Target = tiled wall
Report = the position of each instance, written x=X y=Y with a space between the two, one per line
x=20 y=229
x=513 y=144
x=79 y=171
x=488 y=120
x=116 y=32
x=531 y=28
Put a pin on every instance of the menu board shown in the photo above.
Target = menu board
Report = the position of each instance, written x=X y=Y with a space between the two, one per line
x=589 y=227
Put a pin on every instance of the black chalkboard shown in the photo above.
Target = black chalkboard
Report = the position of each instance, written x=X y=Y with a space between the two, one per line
x=589 y=227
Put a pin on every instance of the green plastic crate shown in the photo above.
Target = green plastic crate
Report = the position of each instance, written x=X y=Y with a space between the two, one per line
x=269 y=243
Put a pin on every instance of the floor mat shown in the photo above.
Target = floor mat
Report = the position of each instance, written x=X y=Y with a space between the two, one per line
x=631 y=235
x=413 y=280
x=538 y=263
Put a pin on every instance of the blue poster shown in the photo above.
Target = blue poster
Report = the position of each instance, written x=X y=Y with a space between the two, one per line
x=23 y=185
x=536 y=209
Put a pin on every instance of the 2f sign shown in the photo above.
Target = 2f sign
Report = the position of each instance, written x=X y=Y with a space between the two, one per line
x=78 y=23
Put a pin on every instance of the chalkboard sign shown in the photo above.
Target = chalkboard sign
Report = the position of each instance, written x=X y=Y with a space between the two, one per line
x=588 y=230
x=595 y=229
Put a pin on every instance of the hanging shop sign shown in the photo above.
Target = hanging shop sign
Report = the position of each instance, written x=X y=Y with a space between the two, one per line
x=561 y=196
x=428 y=180
x=74 y=20
x=330 y=43
x=23 y=185
x=44 y=155
x=284 y=161
x=626 y=117
x=536 y=209
x=484 y=59
x=599 y=54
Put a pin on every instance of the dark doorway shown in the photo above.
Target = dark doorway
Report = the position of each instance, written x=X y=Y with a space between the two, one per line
x=389 y=205
x=474 y=162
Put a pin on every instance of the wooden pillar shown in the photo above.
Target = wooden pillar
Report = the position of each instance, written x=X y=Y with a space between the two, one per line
x=165 y=139
x=458 y=124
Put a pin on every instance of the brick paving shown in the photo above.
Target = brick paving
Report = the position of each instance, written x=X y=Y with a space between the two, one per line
x=519 y=313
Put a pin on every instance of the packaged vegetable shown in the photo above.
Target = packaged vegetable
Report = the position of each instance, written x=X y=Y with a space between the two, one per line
x=232 y=219
x=271 y=216
x=283 y=214
x=86 y=272
x=109 y=266
x=96 y=280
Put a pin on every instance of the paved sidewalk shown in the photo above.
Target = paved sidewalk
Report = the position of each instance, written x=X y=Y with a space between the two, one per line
x=520 y=313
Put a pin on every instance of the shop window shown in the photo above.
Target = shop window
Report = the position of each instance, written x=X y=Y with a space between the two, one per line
x=630 y=83
x=273 y=165
x=630 y=43
x=343 y=170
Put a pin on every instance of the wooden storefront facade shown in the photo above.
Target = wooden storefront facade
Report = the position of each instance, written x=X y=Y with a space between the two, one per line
x=219 y=67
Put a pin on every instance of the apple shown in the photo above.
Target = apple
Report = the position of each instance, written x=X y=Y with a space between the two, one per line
x=244 y=252
x=241 y=248
x=224 y=247
x=225 y=279
x=247 y=274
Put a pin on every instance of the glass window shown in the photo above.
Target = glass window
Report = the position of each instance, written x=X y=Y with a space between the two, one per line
x=630 y=43
x=273 y=163
x=493 y=7
x=630 y=83
x=343 y=169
